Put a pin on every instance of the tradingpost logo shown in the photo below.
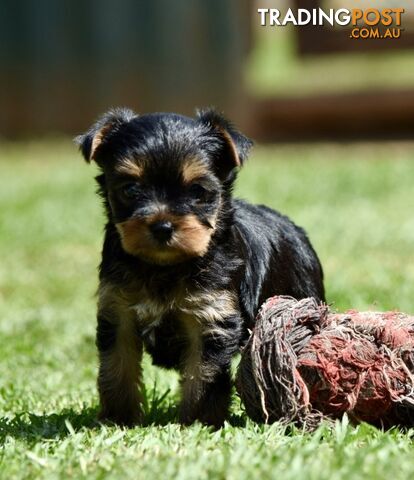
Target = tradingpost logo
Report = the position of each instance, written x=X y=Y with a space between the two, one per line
x=370 y=23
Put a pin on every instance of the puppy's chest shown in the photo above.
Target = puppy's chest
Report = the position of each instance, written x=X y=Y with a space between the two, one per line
x=201 y=306
x=149 y=310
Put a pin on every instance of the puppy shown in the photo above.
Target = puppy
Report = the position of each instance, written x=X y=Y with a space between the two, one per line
x=184 y=266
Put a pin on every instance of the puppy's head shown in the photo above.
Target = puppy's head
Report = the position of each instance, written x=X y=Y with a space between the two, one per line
x=166 y=178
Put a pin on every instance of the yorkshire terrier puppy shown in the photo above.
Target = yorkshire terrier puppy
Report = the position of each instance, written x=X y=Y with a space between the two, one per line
x=184 y=266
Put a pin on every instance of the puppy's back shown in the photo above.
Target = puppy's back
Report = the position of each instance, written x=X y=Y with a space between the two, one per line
x=279 y=258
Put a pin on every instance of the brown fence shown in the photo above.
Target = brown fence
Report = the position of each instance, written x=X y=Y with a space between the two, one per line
x=64 y=61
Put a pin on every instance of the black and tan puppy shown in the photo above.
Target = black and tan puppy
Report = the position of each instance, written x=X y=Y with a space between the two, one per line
x=184 y=266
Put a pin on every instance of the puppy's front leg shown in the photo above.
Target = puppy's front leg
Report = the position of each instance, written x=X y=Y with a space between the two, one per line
x=119 y=379
x=206 y=381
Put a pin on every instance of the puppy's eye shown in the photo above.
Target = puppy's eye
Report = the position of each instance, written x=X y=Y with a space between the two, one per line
x=197 y=191
x=131 y=190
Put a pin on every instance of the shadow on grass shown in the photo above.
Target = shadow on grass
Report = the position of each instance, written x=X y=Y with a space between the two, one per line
x=162 y=410
x=158 y=410
x=30 y=427
x=237 y=420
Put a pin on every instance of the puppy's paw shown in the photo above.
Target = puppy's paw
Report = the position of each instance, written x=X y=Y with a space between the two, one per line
x=211 y=418
x=123 y=418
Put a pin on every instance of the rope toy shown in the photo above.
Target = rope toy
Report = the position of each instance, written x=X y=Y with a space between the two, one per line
x=303 y=364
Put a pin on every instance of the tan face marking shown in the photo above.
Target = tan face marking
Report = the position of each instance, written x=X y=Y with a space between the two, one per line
x=129 y=167
x=193 y=169
x=190 y=238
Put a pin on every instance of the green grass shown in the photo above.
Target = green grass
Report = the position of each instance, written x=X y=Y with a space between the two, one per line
x=356 y=203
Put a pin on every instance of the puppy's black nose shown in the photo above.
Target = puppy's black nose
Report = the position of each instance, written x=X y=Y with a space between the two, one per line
x=162 y=231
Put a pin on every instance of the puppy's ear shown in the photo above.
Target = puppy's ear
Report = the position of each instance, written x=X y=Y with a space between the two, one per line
x=91 y=141
x=235 y=145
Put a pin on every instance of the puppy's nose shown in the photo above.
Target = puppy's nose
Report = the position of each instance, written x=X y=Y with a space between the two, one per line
x=162 y=231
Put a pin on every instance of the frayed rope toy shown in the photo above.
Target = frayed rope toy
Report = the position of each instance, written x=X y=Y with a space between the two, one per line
x=303 y=364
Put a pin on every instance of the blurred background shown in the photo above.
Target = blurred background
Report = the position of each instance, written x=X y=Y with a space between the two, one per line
x=64 y=62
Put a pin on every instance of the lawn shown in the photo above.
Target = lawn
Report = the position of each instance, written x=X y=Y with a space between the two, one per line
x=356 y=203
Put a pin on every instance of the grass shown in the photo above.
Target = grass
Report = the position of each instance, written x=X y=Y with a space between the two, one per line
x=356 y=203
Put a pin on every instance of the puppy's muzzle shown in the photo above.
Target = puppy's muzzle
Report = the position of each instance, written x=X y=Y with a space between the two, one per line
x=162 y=231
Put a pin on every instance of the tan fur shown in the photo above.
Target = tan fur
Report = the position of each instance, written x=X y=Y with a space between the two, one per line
x=190 y=238
x=195 y=372
x=201 y=314
x=232 y=146
x=210 y=307
x=129 y=167
x=98 y=138
x=193 y=169
x=135 y=235
x=134 y=303
x=112 y=299
x=120 y=376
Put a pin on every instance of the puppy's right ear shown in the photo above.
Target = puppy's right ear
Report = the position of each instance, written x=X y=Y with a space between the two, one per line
x=235 y=146
x=92 y=141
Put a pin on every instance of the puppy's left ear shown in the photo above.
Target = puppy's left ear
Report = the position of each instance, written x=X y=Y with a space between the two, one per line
x=91 y=142
x=235 y=145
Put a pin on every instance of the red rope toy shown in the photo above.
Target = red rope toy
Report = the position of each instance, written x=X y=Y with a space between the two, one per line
x=303 y=364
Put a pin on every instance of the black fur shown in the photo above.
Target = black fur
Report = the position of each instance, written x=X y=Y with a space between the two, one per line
x=253 y=253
